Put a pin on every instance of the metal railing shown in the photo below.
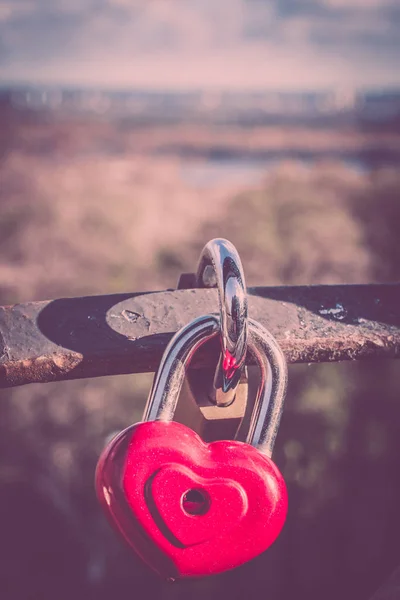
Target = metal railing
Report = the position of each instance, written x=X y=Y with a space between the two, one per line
x=71 y=338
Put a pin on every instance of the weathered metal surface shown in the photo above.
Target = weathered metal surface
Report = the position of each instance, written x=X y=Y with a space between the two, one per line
x=107 y=335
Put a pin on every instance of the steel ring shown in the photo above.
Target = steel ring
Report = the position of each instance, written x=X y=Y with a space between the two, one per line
x=220 y=266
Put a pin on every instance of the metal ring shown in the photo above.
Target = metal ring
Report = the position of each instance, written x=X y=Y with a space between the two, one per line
x=271 y=393
x=220 y=266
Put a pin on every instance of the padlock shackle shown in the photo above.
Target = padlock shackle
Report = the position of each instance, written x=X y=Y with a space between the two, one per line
x=267 y=412
x=168 y=381
x=220 y=266
x=271 y=394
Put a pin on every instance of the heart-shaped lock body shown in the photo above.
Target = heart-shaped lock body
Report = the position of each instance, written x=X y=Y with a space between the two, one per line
x=186 y=507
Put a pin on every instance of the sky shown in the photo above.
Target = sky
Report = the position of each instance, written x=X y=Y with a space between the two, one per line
x=186 y=44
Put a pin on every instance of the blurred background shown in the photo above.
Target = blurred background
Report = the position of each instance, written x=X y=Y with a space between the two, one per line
x=131 y=133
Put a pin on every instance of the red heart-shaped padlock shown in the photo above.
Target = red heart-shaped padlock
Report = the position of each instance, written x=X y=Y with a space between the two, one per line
x=186 y=507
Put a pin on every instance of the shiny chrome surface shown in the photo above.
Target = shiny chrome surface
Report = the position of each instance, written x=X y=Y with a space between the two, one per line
x=220 y=266
x=268 y=406
x=168 y=380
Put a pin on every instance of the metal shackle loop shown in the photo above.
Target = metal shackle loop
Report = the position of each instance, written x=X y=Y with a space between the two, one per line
x=220 y=266
x=271 y=393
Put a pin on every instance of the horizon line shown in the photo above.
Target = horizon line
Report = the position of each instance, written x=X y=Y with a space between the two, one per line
x=9 y=84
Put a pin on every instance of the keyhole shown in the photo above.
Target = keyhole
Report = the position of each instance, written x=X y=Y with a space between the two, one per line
x=195 y=502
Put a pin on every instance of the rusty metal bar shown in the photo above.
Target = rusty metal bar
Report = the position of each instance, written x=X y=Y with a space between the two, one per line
x=72 y=338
